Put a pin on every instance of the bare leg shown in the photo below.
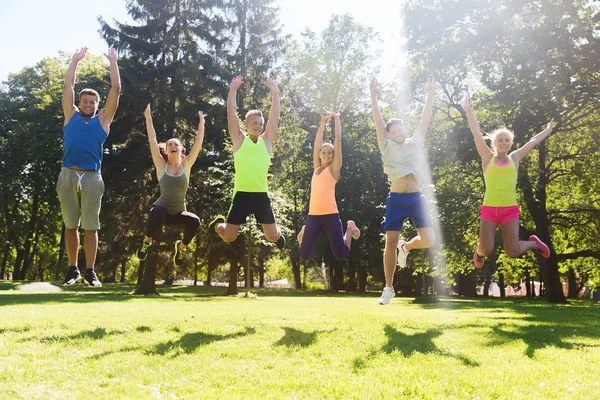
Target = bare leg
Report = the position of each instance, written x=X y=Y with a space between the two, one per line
x=90 y=247
x=228 y=232
x=272 y=232
x=487 y=237
x=72 y=245
x=389 y=256
x=512 y=245
x=425 y=239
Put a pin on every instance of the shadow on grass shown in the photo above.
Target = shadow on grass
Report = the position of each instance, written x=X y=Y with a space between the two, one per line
x=295 y=337
x=189 y=342
x=407 y=345
x=534 y=336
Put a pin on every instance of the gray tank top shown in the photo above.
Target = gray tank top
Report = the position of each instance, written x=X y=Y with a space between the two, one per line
x=172 y=192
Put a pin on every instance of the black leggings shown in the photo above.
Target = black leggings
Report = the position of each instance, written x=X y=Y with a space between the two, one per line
x=158 y=217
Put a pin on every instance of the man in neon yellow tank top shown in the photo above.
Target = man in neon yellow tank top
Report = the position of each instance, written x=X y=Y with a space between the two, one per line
x=252 y=156
x=500 y=206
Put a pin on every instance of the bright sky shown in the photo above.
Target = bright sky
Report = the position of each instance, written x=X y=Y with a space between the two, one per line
x=33 y=29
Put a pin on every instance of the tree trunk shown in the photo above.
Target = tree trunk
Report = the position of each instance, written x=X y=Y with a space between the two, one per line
x=123 y=270
x=467 y=284
x=528 y=283
x=501 y=284
x=572 y=283
x=148 y=286
x=362 y=278
x=4 y=259
x=233 y=276
x=261 y=272
x=18 y=262
x=296 y=271
x=486 y=287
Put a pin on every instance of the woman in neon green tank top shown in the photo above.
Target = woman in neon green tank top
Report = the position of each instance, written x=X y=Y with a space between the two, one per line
x=500 y=206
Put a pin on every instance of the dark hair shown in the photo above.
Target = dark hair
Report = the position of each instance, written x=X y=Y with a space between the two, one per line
x=162 y=148
x=90 y=92
x=391 y=122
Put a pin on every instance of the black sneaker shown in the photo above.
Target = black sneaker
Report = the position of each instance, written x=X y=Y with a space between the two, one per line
x=72 y=276
x=142 y=252
x=212 y=226
x=280 y=243
x=177 y=254
x=91 y=278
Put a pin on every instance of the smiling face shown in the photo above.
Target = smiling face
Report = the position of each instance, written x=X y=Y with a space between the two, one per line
x=254 y=125
x=397 y=133
x=503 y=141
x=88 y=105
x=326 y=154
x=172 y=150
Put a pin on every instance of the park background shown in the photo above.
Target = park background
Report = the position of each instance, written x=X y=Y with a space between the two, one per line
x=523 y=62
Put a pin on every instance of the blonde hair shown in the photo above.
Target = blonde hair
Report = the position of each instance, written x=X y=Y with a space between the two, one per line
x=492 y=136
x=326 y=144
x=90 y=92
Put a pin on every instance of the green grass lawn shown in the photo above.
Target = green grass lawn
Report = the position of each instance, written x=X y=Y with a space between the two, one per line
x=195 y=343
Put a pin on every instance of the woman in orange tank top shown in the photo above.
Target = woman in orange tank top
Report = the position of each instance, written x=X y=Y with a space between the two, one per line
x=323 y=213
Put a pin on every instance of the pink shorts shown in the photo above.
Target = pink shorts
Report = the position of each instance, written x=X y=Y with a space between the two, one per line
x=500 y=215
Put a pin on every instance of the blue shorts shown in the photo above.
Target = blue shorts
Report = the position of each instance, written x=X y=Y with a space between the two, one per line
x=400 y=206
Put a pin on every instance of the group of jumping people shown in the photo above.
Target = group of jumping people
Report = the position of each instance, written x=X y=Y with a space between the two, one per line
x=80 y=186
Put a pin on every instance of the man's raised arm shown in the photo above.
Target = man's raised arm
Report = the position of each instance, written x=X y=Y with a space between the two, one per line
x=68 y=97
x=112 y=101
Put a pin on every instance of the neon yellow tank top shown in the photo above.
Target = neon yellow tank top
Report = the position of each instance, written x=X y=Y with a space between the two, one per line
x=500 y=184
x=251 y=164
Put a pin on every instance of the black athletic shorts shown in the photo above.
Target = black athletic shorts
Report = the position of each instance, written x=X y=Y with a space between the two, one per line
x=246 y=203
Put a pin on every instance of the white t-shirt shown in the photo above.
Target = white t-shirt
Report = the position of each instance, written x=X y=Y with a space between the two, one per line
x=401 y=160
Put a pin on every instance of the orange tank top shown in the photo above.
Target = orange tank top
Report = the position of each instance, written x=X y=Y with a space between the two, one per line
x=322 y=193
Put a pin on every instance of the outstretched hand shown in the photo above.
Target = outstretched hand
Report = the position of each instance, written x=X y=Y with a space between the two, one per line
x=272 y=86
x=236 y=83
x=325 y=118
x=79 y=54
x=373 y=86
x=201 y=122
x=467 y=106
x=112 y=54
x=147 y=112
x=550 y=125
x=430 y=87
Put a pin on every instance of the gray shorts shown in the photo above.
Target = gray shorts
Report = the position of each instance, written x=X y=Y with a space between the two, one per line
x=80 y=194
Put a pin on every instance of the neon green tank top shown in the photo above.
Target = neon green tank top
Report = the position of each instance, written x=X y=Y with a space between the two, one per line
x=500 y=184
x=251 y=163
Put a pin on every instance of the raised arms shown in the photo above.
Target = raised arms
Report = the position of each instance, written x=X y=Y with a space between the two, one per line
x=112 y=100
x=484 y=151
x=521 y=153
x=319 y=141
x=193 y=155
x=159 y=161
x=377 y=117
x=233 y=121
x=68 y=97
x=427 y=111
x=271 y=130
x=336 y=165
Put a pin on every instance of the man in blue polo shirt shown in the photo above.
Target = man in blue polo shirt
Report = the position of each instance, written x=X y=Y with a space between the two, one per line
x=80 y=186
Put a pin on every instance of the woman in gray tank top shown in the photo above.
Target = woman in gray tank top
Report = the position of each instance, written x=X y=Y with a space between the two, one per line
x=173 y=169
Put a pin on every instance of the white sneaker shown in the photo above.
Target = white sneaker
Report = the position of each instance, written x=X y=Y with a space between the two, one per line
x=402 y=254
x=387 y=295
